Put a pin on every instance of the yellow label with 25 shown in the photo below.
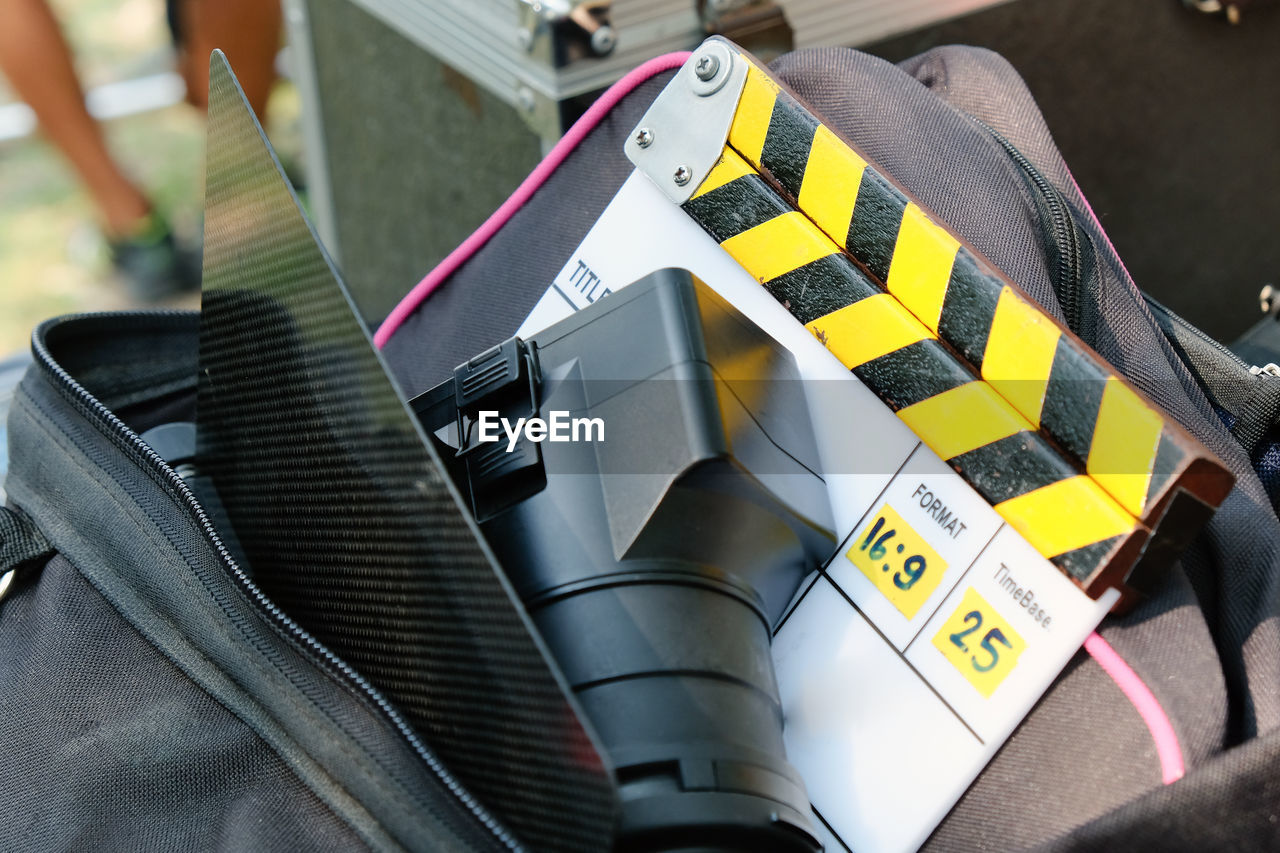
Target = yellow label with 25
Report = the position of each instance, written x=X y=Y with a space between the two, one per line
x=897 y=560
x=979 y=643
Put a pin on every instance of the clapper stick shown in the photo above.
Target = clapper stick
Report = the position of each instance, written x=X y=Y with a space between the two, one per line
x=1092 y=473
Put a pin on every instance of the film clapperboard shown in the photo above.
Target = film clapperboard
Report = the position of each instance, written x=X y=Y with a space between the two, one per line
x=995 y=487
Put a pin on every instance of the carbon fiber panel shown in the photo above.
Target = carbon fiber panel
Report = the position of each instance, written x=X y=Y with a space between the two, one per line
x=346 y=517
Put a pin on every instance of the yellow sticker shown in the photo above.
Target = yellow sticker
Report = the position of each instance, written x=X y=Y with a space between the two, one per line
x=979 y=643
x=897 y=560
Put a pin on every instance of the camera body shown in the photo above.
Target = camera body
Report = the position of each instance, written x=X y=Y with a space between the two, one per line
x=653 y=497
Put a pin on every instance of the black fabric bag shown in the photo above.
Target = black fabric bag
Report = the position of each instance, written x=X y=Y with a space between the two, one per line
x=151 y=698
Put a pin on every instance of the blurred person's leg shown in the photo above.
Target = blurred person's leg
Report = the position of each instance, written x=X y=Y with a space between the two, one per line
x=37 y=62
x=247 y=31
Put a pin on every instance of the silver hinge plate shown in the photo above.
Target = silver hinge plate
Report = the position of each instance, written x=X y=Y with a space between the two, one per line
x=682 y=135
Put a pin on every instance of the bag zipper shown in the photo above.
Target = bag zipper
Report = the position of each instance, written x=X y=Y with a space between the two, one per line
x=1161 y=312
x=1066 y=280
x=1066 y=234
x=1067 y=239
x=128 y=441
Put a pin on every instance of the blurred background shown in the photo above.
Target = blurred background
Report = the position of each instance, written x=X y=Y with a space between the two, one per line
x=54 y=258
x=406 y=122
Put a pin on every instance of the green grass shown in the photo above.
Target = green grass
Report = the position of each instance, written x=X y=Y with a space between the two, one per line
x=52 y=258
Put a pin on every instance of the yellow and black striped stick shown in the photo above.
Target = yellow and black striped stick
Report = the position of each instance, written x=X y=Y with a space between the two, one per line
x=1139 y=456
x=1063 y=513
x=1165 y=480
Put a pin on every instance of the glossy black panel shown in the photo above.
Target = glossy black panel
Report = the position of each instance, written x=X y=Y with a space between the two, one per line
x=346 y=518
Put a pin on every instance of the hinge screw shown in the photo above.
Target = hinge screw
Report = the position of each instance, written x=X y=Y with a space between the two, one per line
x=683 y=175
x=644 y=137
x=706 y=67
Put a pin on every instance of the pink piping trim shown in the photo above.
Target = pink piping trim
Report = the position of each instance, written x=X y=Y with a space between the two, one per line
x=525 y=191
x=1136 y=691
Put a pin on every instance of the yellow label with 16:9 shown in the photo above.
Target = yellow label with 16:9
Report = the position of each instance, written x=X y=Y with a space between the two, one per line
x=897 y=560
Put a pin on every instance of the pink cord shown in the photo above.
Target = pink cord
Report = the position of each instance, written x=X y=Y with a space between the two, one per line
x=1135 y=690
x=525 y=191
x=1144 y=701
x=1167 y=747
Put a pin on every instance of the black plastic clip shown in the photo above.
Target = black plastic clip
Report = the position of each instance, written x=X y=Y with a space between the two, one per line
x=500 y=386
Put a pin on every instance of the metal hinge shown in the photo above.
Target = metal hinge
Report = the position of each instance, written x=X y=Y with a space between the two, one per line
x=680 y=138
